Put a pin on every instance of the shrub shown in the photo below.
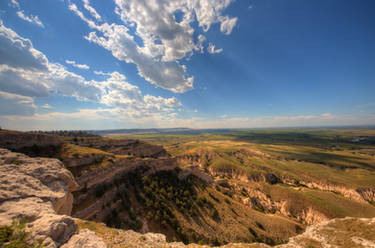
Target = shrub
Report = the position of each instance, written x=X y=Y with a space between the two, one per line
x=259 y=225
x=214 y=213
x=253 y=232
x=213 y=197
x=15 y=236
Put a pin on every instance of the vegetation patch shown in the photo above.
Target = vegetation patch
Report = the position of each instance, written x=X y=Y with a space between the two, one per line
x=15 y=236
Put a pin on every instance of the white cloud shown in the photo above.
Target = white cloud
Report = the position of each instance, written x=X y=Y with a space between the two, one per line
x=14 y=4
x=164 y=40
x=26 y=71
x=211 y=49
x=13 y=104
x=102 y=73
x=80 y=66
x=119 y=118
x=201 y=39
x=121 y=94
x=21 y=14
x=18 y=52
x=47 y=106
x=86 y=4
x=167 y=75
x=31 y=18
x=227 y=24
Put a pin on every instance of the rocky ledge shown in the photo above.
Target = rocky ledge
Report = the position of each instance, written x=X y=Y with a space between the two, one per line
x=38 y=191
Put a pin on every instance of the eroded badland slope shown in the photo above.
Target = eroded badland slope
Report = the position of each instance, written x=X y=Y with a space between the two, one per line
x=207 y=194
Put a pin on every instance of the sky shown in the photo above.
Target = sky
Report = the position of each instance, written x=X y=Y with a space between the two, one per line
x=93 y=64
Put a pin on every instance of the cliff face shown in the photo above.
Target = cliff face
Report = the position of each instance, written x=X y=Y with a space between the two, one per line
x=32 y=144
x=38 y=190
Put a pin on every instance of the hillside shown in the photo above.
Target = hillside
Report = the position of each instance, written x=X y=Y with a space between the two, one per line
x=31 y=216
x=209 y=189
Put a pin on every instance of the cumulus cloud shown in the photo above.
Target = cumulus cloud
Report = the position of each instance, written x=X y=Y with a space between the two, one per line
x=121 y=94
x=80 y=66
x=26 y=73
x=165 y=39
x=31 y=18
x=167 y=75
x=211 y=49
x=13 y=104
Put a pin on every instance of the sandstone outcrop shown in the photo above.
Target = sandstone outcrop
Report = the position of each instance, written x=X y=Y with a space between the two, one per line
x=85 y=239
x=37 y=190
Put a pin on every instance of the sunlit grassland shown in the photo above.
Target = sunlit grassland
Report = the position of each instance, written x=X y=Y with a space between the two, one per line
x=74 y=151
x=309 y=154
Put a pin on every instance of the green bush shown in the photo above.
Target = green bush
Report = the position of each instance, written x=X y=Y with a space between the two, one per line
x=259 y=225
x=15 y=236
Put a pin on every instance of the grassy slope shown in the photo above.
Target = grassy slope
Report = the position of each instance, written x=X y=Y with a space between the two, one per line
x=312 y=155
x=315 y=155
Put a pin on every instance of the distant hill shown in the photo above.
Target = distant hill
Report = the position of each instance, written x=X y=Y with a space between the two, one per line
x=181 y=130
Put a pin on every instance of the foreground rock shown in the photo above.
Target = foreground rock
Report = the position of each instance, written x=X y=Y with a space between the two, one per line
x=38 y=190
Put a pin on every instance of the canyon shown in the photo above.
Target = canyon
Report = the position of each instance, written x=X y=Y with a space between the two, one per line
x=91 y=191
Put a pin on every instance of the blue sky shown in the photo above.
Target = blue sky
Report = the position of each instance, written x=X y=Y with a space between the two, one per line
x=90 y=64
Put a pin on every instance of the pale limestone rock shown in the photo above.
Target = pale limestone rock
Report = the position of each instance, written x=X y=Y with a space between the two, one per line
x=29 y=209
x=85 y=239
x=37 y=190
x=22 y=177
x=58 y=227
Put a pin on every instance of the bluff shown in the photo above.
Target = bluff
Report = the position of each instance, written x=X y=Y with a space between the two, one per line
x=38 y=190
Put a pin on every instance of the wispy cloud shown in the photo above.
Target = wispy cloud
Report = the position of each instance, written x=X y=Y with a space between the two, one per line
x=14 y=4
x=102 y=73
x=227 y=24
x=80 y=66
x=211 y=49
x=31 y=18
x=86 y=4
x=21 y=14
x=47 y=106
x=84 y=118
x=16 y=104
